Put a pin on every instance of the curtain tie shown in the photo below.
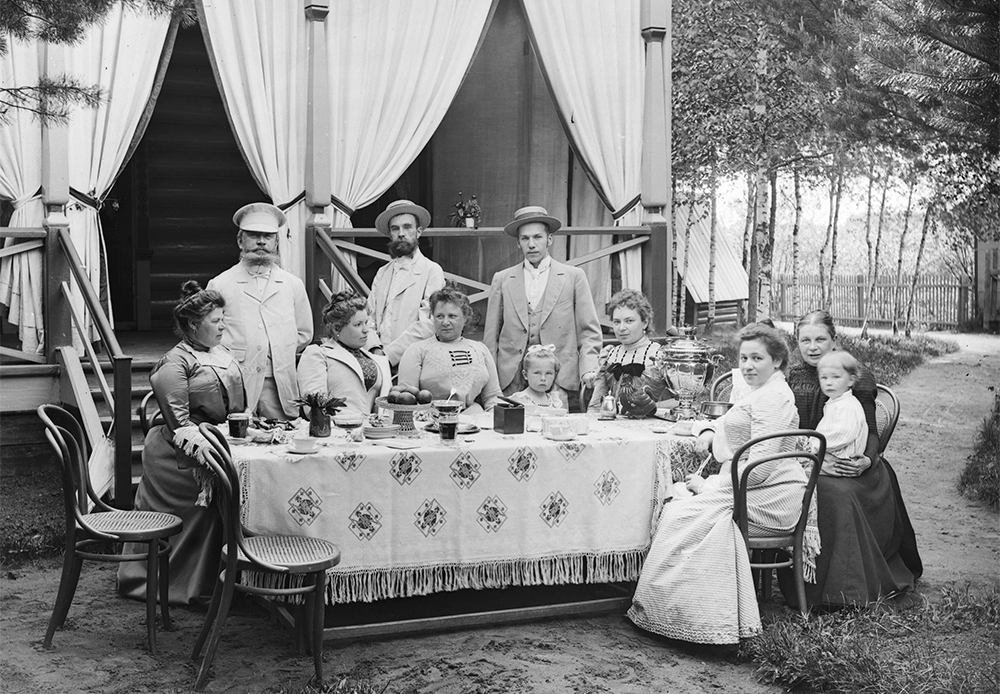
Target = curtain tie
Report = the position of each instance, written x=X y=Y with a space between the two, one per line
x=341 y=205
x=88 y=200
x=294 y=201
x=18 y=202
x=628 y=207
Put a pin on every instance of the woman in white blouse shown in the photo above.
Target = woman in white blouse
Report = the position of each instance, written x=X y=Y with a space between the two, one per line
x=696 y=583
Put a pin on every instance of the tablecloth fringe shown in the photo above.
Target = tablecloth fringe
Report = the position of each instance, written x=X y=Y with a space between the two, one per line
x=368 y=585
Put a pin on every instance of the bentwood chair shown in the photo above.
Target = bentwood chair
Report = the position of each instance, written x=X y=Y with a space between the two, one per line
x=303 y=561
x=721 y=388
x=149 y=418
x=763 y=551
x=886 y=415
x=104 y=524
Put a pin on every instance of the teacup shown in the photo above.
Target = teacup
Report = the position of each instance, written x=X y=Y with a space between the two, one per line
x=304 y=444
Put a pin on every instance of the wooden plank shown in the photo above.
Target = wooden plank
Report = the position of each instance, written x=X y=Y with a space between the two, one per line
x=492 y=232
x=25 y=356
x=361 y=250
x=88 y=348
x=610 y=250
x=21 y=248
x=22 y=233
x=75 y=391
x=26 y=387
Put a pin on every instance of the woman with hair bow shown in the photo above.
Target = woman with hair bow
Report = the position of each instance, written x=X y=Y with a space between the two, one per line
x=629 y=370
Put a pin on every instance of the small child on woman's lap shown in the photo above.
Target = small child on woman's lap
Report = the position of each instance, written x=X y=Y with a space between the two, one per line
x=843 y=423
x=540 y=368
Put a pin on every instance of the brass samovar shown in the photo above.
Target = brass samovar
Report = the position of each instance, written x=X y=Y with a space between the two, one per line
x=689 y=364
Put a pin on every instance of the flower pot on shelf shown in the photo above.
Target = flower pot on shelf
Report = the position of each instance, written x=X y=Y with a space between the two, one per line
x=470 y=222
x=319 y=424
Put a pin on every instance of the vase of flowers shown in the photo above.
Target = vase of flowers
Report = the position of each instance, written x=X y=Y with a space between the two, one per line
x=467 y=212
x=321 y=407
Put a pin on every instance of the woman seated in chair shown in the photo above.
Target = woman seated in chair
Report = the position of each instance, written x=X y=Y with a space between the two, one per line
x=629 y=370
x=869 y=548
x=196 y=381
x=696 y=584
x=341 y=366
x=449 y=364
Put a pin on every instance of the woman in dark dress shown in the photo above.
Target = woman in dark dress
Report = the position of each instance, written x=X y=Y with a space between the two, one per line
x=868 y=550
x=196 y=381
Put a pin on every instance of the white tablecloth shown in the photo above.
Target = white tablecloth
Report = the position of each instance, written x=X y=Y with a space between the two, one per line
x=493 y=511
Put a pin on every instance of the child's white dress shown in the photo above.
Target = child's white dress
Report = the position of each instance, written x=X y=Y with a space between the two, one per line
x=553 y=397
x=844 y=426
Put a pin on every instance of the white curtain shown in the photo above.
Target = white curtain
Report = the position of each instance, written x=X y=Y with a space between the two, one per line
x=395 y=67
x=120 y=55
x=258 y=50
x=593 y=56
x=21 y=275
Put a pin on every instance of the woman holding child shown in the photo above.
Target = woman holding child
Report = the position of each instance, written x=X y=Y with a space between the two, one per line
x=629 y=370
x=869 y=548
x=696 y=582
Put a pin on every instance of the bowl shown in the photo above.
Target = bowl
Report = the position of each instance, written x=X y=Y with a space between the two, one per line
x=349 y=421
x=304 y=444
x=713 y=409
x=558 y=428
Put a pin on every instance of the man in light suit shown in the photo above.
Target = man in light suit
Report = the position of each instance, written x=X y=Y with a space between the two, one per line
x=542 y=301
x=267 y=313
x=398 y=300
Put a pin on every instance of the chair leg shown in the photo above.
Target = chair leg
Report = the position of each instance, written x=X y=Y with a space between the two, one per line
x=152 y=591
x=72 y=565
x=319 y=611
x=213 y=611
x=164 y=552
x=800 y=581
x=228 y=588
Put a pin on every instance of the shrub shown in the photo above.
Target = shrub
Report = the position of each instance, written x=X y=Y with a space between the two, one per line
x=980 y=480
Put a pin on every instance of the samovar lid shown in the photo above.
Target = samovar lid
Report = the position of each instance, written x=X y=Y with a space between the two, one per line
x=687 y=346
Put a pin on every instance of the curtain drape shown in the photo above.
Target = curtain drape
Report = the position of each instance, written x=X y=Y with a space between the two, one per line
x=592 y=55
x=21 y=275
x=121 y=56
x=258 y=51
x=395 y=67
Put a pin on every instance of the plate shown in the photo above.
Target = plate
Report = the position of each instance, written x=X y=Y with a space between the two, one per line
x=295 y=452
x=463 y=428
x=560 y=437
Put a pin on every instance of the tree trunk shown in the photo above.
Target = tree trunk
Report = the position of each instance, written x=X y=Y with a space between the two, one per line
x=758 y=240
x=767 y=251
x=826 y=242
x=749 y=221
x=714 y=192
x=873 y=270
x=678 y=283
x=899 y=261
x=928 y=216
x=796 y=299
x=682 y=293
x=868 y=215
x=833 y=236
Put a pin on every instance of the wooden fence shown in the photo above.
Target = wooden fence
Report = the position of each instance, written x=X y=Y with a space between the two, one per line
x=940 y=302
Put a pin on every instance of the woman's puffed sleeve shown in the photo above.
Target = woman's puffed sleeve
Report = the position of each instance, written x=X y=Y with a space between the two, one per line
x=409 y=366
x=311 y=372
x=769 y=415
x=172 y=392
x=491 y=391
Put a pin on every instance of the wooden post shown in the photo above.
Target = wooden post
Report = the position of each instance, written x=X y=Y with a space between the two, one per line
x=318 y=149
x=122 y=374
x=657 y=271
x=55 y=197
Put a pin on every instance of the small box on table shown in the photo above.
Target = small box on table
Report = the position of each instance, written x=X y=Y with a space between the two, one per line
x=508 y=418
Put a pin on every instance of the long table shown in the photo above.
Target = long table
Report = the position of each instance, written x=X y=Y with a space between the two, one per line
x=414 y=516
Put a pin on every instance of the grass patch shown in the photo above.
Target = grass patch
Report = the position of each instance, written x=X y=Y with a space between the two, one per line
x=343 y=686
x=980 y=480
x=949 y=646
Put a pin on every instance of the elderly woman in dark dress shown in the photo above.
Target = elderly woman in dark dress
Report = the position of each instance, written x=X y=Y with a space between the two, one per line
x=868 y=550
x=196 y=381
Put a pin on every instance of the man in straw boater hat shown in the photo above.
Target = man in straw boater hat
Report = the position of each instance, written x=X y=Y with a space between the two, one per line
x=542 y=301
x=267 y=313
x=398 y=299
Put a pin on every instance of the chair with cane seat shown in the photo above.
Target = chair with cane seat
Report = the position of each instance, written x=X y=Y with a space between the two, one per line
x=763 y=550
x=103 y=525
x=149 y=419
x=721 y=388
x=297 y=557
x=886 y=415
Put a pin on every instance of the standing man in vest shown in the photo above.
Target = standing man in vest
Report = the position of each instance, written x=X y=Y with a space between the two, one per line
x=398 y=300
x=542 y=301
x=267 y=313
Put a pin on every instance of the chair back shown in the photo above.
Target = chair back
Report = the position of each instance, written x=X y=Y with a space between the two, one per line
x=149 y=418
x=220 y=461
x=722 y=387
x=886 y=415
x=65 y=435
x=741 y=479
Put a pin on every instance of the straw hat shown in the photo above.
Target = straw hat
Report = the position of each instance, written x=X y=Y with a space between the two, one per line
x=402 y=207
x=532 y=213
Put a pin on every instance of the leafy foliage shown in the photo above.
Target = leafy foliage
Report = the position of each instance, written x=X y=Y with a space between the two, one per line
x=980 y=479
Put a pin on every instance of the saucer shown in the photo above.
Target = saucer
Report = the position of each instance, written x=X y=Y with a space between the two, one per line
x=295 y=452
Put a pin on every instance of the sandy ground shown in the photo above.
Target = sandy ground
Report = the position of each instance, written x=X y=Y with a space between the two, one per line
x=102 y=647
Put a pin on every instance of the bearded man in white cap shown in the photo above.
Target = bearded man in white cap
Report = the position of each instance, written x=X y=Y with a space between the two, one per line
x=539 y=302
x=267 y=314
x=398 y=300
